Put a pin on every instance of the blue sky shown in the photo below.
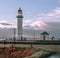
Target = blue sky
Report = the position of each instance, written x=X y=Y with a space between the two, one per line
x=35 y=12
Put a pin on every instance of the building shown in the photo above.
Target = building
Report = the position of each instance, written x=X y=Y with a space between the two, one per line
x=19 y=24
x=45 y=36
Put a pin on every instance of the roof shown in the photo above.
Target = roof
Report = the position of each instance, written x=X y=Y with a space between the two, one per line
x=44 y=33
x=19 y=10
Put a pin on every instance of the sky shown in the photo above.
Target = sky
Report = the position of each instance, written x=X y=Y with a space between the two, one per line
x=36 y=13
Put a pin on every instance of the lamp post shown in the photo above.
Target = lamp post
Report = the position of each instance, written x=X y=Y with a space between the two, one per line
x=14 y=37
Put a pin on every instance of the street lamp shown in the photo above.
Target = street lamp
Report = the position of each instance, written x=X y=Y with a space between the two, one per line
x=14 y=37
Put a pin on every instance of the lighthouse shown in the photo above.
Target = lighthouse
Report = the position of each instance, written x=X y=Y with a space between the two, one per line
x=19 y=23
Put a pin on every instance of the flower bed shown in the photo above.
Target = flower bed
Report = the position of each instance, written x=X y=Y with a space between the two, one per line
x=18 y=52
x=15 y=52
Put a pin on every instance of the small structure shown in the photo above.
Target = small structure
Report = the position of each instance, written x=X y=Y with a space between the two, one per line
x=52 y=38
x=45 y=36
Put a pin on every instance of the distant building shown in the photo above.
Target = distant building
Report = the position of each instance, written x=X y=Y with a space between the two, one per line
x=45 y=36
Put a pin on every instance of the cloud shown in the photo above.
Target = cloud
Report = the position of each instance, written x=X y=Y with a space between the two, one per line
x=37 y=24
x=26 y=22
x=55 y=13
x=40 y=21
x=52 y=16
x=6 y=24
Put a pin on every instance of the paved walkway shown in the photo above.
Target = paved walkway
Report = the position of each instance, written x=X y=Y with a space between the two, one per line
x=46 y=47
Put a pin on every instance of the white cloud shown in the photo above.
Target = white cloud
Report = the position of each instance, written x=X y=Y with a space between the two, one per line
x=26 y=22
x=34 y=24
x=53 y=16
x=39 y=22
x=55 y=13
x=6 y=24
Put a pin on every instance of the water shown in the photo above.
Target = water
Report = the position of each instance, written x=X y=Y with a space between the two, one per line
x=55 y=56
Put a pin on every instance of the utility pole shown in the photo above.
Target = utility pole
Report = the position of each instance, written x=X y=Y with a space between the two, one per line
x=14 y=37
x=34 y=34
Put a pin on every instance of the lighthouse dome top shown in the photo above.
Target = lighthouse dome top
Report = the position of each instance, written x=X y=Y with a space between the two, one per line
x=19 y=11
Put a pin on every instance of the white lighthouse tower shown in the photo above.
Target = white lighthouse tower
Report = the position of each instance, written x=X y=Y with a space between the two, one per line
x=19 y=24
